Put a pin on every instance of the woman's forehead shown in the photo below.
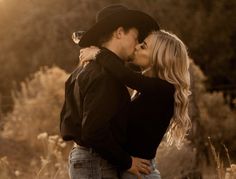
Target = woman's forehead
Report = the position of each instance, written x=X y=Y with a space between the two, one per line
x=149 y=40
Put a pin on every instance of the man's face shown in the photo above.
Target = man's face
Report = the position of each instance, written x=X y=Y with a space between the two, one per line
x=129 y=40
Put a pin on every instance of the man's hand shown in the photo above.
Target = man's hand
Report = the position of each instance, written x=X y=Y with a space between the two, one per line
x=140 y=166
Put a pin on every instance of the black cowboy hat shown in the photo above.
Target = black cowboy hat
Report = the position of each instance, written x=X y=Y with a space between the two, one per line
x=114 y=16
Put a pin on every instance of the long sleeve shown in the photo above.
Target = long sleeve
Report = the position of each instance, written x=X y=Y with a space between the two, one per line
x=130 y=78
x=100 y=104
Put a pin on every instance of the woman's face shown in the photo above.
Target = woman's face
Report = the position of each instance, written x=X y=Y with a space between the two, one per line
x=143 y=52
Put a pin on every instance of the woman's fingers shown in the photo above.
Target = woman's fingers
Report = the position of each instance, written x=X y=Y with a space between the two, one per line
x=83 y=57
x=80 y=56
x=88 y=53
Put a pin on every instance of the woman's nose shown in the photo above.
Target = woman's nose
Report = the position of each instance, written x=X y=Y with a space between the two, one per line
x=137 y=47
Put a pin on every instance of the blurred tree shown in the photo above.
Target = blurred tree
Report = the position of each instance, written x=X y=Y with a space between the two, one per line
x=208 y=28
x=36 y=106
x=211 y=117
x=35 y=33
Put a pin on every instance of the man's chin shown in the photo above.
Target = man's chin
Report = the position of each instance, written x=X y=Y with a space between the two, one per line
x=130 y=60
x=133 y=66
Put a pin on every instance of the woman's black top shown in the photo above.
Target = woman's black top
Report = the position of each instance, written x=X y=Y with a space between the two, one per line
x=150 y=112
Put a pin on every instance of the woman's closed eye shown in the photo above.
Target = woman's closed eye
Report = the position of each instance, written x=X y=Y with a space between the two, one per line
x=143 y=45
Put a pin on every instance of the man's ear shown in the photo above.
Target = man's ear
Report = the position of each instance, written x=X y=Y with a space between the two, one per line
x=119 y=32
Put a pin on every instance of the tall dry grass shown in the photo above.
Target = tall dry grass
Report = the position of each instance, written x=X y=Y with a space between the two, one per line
x=35 y=122
x=174 y=163
x=52 y=162
x=222 y=172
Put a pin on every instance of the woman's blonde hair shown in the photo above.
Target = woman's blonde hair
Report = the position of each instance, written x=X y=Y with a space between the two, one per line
x=170 y=62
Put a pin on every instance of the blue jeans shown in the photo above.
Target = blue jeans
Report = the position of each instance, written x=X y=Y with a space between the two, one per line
x=86 y=164
x=155 y=174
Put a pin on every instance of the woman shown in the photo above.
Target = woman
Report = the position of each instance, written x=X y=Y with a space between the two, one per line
x=160 y=104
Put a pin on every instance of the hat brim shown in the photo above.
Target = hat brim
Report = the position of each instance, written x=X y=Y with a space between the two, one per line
x=140 y=20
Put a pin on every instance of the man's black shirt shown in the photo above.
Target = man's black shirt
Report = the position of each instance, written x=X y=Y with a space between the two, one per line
x=104 y=98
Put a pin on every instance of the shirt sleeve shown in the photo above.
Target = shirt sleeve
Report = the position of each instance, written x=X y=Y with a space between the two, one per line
x=99 y=107
x=132 y=79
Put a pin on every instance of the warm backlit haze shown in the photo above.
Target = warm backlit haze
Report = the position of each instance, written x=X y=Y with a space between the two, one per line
x=37 y=54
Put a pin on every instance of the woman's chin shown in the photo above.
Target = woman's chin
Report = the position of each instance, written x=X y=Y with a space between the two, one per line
x=134 y=61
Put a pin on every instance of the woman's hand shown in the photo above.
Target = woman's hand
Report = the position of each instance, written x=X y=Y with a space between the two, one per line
x=140 y=166
x=88 y=54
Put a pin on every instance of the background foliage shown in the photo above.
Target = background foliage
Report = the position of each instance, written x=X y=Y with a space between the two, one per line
x=35 y=33
x=34 y=121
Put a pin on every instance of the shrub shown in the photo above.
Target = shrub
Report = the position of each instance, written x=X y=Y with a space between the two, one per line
x=53 y=164
x=174 y=163
x=5 y=169
x=210 y=115
x=36 y=106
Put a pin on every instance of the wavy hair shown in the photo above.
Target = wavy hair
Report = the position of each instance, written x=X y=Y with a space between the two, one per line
x=170 y=62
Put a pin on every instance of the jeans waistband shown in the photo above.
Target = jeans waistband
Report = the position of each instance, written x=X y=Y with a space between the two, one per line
x=90 y=153
x=89 y=149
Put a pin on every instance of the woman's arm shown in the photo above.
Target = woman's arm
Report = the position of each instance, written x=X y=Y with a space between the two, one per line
x=115 y=66
x=128 y=77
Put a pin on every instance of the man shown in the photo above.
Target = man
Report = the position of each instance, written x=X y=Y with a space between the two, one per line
x=99 y=152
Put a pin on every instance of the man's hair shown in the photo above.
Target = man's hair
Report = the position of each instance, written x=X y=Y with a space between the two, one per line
x=107 y=36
